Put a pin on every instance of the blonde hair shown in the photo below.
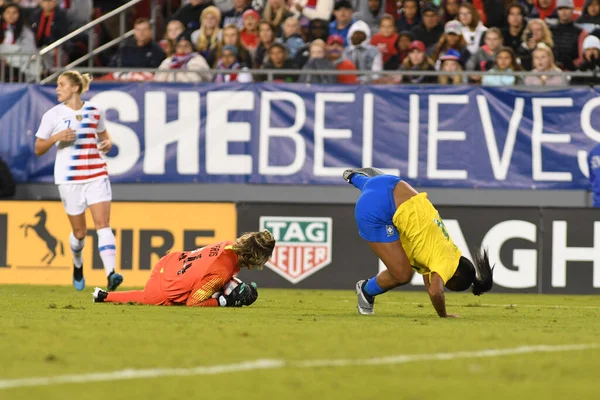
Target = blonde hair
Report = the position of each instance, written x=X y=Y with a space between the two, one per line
x=547 y=36
x=254 y=249
x=78 y=79
x=317 y=43
x=202 y=42
x=544 y=47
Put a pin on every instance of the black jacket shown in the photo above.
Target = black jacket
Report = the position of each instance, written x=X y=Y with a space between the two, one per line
x=566 y=44
x=429 y=38
x=190 y=15
x=132 y=56
x=58 y=28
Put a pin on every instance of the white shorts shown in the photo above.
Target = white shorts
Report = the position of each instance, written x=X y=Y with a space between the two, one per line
x=76 y=197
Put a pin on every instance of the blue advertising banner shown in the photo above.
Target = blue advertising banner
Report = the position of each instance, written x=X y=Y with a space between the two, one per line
x=452 y=136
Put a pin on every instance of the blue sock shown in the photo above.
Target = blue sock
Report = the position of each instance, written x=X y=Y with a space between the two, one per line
x=359 y=180
x=372 y=288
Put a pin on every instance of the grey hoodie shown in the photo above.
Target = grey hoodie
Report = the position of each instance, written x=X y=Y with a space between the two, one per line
x=365 y=56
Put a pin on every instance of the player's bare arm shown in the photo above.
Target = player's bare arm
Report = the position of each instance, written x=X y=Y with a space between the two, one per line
x=105 y=142
x=43 y=145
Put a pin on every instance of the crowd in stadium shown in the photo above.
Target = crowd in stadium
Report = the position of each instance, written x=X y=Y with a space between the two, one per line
x=368 y=35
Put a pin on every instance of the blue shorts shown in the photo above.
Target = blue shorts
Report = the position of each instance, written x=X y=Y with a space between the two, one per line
x=375 y=209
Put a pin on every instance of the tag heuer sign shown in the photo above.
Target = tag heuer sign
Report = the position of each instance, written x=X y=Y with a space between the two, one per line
x=303 y=245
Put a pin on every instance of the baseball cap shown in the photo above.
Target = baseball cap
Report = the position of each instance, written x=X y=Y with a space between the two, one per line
x=417 y=45
x=453 y=27
x=564 y=4
x=335 y=39
x=342 y=4
x=251 y=13
x=451 y=55
x=429 y=7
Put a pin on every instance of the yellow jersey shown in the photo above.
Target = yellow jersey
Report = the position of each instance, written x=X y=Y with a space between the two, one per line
x=425 y=239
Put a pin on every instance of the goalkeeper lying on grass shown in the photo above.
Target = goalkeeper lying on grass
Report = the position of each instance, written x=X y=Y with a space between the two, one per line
x=198 y=278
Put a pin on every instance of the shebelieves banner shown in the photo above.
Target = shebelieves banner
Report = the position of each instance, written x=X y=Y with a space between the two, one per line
x=452 y=136
x=34 y=239
x=563 y=257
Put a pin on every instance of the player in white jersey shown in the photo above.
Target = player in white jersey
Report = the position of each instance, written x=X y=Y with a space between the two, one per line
x=75 y=126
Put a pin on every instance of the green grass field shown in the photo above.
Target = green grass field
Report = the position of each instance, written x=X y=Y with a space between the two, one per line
x=53 y=331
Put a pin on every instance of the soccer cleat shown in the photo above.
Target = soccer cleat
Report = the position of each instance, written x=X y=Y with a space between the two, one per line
x=78 y=279
x=114 y=280
x=99 y=295
x=365 y=302
x=368 y=171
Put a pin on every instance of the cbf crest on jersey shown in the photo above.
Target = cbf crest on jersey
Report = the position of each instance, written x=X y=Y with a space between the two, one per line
x=303 y=245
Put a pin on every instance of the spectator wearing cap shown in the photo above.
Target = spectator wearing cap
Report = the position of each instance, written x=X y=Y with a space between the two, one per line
x=318 y=62
x=49 y=23
x=506 y=61
x=543 y=62
x=472 y=28
x=372 y=15
x=231 y=36
x=485 y=57
x=365 y=56
x=512 y=33
x=229 y=61
x=568 y=38
x=410 y=17
x=266 y=37
x=451 y=39
x=317 y=29
x=450 y=62
x=491 y=12
x=343 y=20
x=450 y=9
x=189 y=14
x=275 y=13
x=417 y=60
x=207 y=37
x=590 y=63
x=234 y=16
x=291 y=36
x=314 y=9
x=184 y=59
x=430 y=29
x=386 y=40
x=590 y=14
x=249 y=33
x=535 y=33
x=335 y=54
x=142 y=51
x=278 y=60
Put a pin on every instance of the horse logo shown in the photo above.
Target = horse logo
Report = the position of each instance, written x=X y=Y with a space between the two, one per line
x=43 y=233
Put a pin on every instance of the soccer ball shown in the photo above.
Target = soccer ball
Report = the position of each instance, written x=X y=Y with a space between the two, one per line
x=228 y=288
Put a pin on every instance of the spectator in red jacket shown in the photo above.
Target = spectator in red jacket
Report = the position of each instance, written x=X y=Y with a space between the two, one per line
x=249 y=33
x=386 y=39
x=335 y=54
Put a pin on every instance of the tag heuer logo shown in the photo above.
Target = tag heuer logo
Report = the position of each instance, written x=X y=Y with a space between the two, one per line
x=303 y=245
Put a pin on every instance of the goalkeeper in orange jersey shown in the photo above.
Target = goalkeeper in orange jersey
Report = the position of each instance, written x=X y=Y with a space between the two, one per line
x=191 y=278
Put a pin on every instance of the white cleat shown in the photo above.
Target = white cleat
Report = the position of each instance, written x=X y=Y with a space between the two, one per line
x=365 y=302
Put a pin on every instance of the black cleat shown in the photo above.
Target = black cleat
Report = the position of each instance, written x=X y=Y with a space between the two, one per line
x=114 y=280
x=99 y=295
x=368 y=171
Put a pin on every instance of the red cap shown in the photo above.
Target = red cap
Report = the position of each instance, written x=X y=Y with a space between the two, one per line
x=335 y=39
x=252 y=13
x=417 y=45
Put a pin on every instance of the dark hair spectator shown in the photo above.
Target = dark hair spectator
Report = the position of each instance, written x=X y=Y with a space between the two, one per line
x=141 y=52
x=515 y=25
x=266 y=37
x=234 y=15
x=430 y=29
x=343 y=20
x=49 y=23
x=417 y=60
x=317 y=29
x=230 y=60
x=17 y=40
x=185 y=58
x=279 y=60
x=492 y=12
x=450 y=10
x=473 y=29
x=506 y=61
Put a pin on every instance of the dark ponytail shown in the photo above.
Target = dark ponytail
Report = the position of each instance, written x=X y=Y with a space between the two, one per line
x=484 y=280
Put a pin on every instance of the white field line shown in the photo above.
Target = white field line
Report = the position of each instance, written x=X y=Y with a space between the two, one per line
x=475 y=305
x=127 y=374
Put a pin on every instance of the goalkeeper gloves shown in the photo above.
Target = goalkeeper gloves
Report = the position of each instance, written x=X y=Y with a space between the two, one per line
x=242 y=295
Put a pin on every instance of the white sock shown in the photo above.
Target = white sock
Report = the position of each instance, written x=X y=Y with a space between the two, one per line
x=76 y=248
x=107 y=249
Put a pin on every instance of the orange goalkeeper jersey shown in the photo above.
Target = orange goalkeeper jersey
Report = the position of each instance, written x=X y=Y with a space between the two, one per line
x=192 y=277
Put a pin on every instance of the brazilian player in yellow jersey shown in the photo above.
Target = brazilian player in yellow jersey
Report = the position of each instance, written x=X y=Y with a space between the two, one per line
x=406 y=232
